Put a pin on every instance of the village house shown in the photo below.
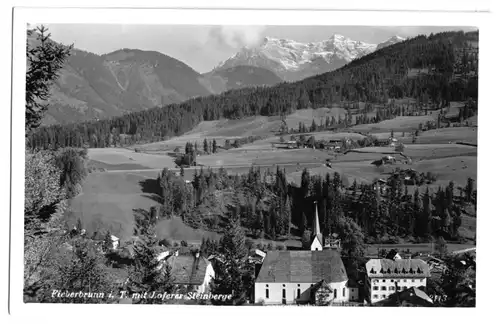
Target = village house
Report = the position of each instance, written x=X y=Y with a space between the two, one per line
x=305 y=276
x=386 y=276
x=190 y=272
x=256 y=256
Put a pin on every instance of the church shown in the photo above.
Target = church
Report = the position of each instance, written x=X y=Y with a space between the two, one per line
x=315 y=276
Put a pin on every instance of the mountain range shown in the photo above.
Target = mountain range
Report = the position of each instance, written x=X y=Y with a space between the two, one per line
x=294 y=61
x=92 y=86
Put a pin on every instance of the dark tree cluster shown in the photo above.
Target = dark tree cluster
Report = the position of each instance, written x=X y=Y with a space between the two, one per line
x=268 y=206
x=373 y=78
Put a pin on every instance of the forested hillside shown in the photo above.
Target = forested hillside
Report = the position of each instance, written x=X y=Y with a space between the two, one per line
x=437 y=69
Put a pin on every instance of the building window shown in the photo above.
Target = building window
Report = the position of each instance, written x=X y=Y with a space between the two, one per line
x=375 y=296
x=298 y=293
x=343 y=292
x=375 y=287
x=298 y=285
x=412 y=280
x=284 y=285
x=392 y=280
x=399 y=287
x=391 y=288
x=284 y=293
x=383 y=280
x=267 y=293
x=421 y=280
x=404 y=280
x=383 y=296
x=405 y=288
x=384 y=288
x=334 y=293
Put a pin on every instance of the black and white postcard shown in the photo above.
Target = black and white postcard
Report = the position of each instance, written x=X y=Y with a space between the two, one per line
x=248 y=158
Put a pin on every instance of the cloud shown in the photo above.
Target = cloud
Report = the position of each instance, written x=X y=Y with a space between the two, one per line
x=236 y=36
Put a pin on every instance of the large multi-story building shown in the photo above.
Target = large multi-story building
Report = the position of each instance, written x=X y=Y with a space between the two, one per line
x=387 y=276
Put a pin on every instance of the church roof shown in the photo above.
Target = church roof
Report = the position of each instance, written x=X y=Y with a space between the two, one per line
x=399 y=268
x=302 y=266
x=188 y=270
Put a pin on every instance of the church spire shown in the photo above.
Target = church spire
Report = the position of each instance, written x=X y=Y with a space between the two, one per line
x=317 y=238
x=316 y=230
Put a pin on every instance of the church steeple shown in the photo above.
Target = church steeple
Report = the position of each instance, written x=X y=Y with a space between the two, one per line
x=317 y=237
x=316 y=230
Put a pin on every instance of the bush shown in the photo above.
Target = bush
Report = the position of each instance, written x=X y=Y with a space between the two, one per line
x=184 y=243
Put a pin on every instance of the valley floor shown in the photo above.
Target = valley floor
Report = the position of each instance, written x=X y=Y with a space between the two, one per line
x=110 y=195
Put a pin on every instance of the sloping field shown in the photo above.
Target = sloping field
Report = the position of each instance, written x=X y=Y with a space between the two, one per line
x=328 y=135
x=107 y=202
x=220 y=130
x=400 y=123
x=445 y=135
x=436 y=136
x=433 y=151
x=415 y=151
x=456 y=169
x=306 y=116
x=118 y=156
x=242 y=156
x=354 y=156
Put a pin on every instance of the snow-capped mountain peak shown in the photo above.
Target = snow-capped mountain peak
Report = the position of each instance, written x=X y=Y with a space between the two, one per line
x=293 y=60
x=392 y=40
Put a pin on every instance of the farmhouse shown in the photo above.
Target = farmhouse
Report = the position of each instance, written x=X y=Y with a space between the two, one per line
x=191 y=272
x=386 y=276
x=312 y=276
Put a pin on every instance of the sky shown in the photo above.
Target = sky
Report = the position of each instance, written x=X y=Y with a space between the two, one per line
x=204 y=47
